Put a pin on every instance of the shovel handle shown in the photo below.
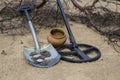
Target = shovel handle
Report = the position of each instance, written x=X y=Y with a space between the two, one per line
x=32 y=30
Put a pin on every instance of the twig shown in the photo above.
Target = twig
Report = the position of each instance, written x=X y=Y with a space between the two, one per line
x=37 y=5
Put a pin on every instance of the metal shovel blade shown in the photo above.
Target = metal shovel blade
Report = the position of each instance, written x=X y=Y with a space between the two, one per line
x=53 y=59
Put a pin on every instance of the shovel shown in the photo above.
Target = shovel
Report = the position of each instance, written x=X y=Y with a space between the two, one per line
x=45 y=57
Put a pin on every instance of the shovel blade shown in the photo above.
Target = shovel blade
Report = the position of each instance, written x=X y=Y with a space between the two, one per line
x=53 y=59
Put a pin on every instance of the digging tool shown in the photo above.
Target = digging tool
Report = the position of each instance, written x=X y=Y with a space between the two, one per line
x=45 y=57
x=74 y=48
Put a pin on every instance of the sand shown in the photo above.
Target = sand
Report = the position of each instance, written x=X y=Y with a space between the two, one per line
x=13 y=65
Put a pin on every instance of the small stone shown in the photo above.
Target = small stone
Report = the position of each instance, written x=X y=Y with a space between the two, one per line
x=42 y=57
x=39 y=60
x=101 y=59
x=43 y=63
x=21 y=42
x=3 y=52
x=47 y=60
x=71 y=24
x=36 y=56
x=33 y=53
x=45 y=53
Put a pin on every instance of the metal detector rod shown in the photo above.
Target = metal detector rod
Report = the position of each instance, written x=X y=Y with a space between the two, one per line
x=32 y=30
x=72 y=40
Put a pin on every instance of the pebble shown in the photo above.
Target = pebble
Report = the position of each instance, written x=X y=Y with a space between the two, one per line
x=33 y=53
x=45 y=53
x=39 y=60
x=36 y=56
x=3 y=52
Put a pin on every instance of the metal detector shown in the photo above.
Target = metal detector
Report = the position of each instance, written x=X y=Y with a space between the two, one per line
x=74 y=48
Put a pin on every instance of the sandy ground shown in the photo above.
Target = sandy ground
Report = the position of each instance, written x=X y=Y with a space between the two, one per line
x=13 y=65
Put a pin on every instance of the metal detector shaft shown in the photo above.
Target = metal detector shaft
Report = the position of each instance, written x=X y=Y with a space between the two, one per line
x=32 y=30
x=72 y=40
